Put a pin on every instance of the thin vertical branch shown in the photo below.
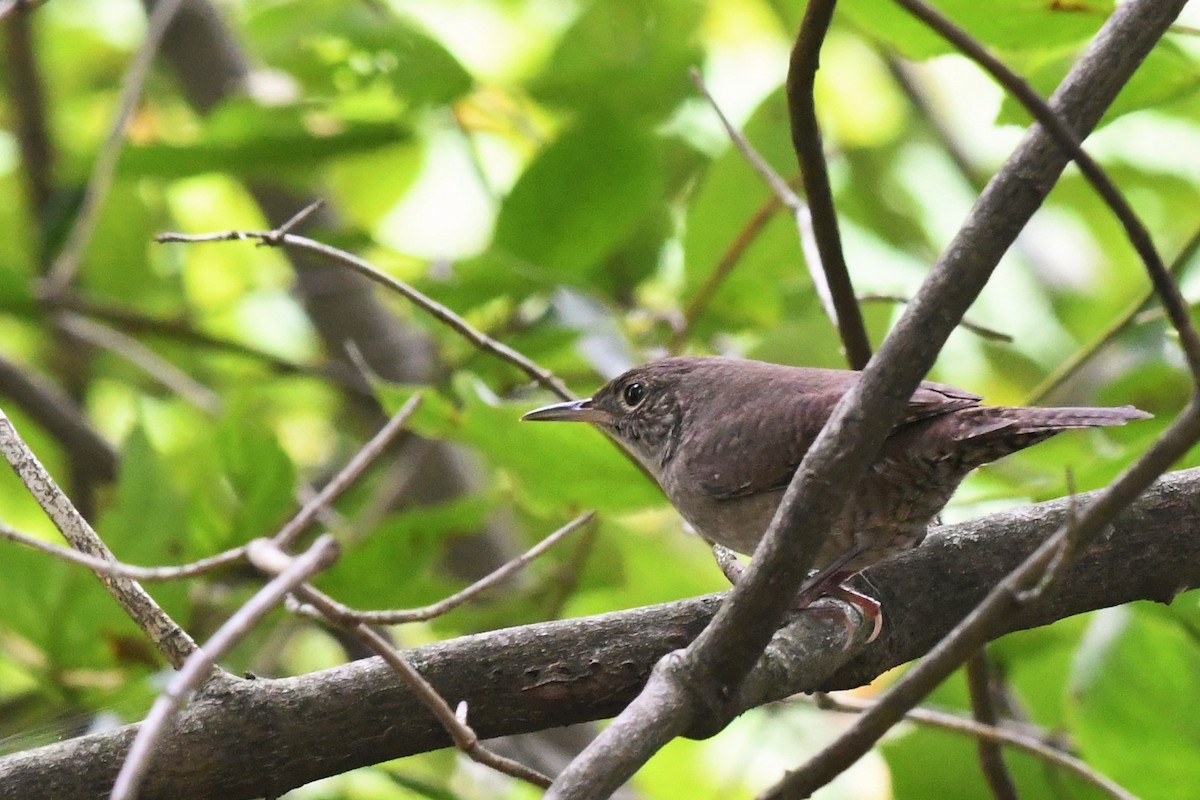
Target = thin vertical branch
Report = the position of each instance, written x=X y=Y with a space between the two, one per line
x=991 y=757
x=806 y=139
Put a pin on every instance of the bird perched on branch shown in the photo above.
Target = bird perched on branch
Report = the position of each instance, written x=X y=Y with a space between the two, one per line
x=723 y=437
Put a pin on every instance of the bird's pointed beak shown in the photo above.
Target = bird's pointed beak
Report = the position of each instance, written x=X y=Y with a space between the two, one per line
x=570 y=411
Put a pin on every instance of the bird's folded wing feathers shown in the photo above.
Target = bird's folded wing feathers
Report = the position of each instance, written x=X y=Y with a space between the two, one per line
x=771 y=468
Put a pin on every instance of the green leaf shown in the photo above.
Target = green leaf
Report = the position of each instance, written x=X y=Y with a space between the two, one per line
x=253 y=140
x=393 y=566
x=1008 y=25
x=1166 y=74
x=581 y=198
x=335 y=48
x=724 y=209
x=1133 y=700
x=629 y=56
x=259 y=475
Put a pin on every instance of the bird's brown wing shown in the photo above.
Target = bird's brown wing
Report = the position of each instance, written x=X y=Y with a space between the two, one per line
x=770 y=467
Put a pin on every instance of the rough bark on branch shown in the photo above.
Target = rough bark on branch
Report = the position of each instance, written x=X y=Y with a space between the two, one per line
x=261 y=737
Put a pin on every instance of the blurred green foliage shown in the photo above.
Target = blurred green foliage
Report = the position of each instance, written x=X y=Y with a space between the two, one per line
x=549 y=172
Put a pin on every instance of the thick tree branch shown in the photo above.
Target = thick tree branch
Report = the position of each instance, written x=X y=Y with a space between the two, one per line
x=263 y=737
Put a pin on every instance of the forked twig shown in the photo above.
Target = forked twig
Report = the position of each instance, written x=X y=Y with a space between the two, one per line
x=280 y=238
x=464 y=738
x=347 y=474
x=343 y=614
x=202 y=661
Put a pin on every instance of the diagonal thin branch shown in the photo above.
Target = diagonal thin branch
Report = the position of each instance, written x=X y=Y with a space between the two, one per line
x=725 y=264
x=170 y=640
x=997 y=734
x=142 y=357
x=179 y=329
x=1124 y=320
x=788 y=198
x=347 y=474
x=464 y=738
x=1168 y=293
x=345 y=615
x=66 y=264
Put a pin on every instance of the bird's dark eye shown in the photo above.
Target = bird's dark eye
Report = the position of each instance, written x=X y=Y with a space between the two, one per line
x=634 y=393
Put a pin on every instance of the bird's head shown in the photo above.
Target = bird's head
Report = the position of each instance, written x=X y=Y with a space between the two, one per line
x=642 y=408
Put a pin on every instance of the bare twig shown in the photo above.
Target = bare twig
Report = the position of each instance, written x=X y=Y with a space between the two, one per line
x=145 y=359
x=465 y=739
x=348 y=474
x=1068 y=139
x=728 y=260
x=103 y=566
x=167 y=636
x=293 y=222
x=992 y=733
x=965 y=324
x=66 y=264
x=1124 y=320
x=200 y=664
x=782 y=190
x=991 y=759
x=345 y=615
x=440 y=312
x=806 y=140
x=779 y=187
